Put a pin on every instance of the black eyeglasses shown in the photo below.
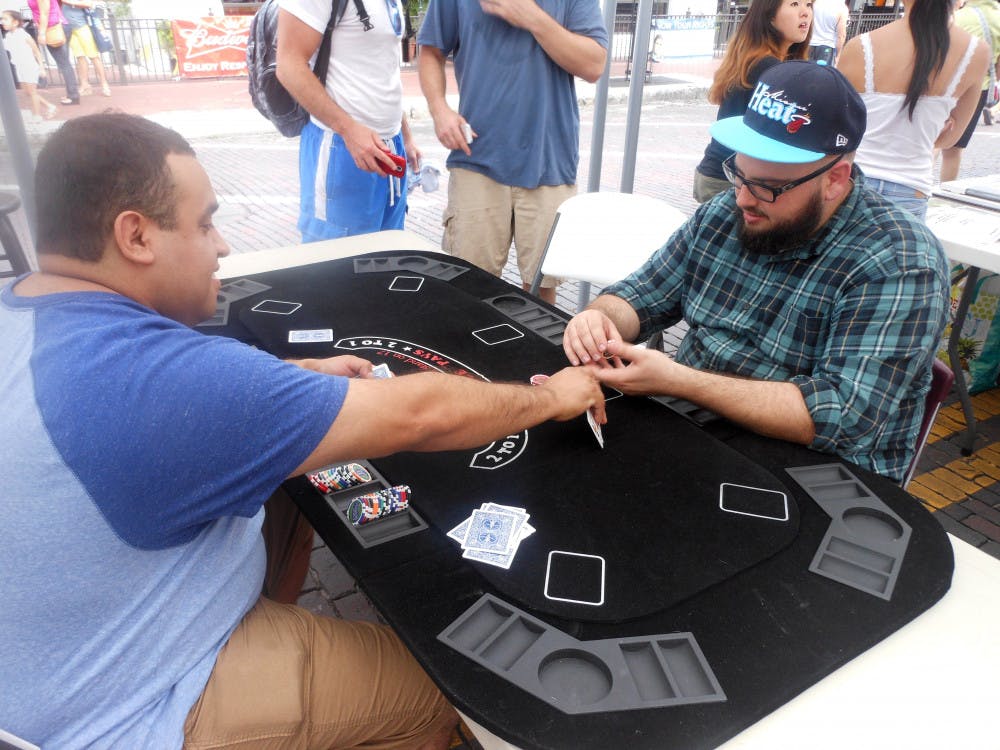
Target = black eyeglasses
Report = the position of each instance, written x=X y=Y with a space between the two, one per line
x=767 y=193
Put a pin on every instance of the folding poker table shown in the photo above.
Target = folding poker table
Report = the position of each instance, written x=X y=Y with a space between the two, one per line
x=734 y=571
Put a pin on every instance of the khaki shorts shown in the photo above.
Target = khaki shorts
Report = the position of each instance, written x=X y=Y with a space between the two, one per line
x=290 y=679
x=706 y=188
x=483 y=217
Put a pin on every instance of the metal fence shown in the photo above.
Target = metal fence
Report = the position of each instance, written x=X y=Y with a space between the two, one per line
x=725 y=25
x=143 y=49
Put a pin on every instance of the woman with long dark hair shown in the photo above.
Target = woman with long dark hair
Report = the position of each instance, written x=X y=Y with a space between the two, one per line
x=919 y=77
x=771 y=32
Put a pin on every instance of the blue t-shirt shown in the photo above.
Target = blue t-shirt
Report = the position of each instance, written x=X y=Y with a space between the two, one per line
x=519 y=102
x=137 y=454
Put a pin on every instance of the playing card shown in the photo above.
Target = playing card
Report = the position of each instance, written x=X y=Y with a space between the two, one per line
x=382 y=371
x=596 y=428
x=492 y=531
x=310 y=336
x=497 y=508
x=526 y=528
x=490 y=558
x=458 y=533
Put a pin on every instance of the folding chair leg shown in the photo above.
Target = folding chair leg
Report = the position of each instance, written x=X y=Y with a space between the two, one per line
x=536 y=284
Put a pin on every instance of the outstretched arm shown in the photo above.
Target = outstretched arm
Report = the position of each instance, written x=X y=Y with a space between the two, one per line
x=432 y=412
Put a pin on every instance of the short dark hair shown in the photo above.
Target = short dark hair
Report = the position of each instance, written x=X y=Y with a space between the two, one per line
x=95 y=167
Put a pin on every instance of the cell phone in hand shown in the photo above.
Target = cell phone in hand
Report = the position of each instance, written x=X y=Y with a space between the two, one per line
x=398 y=161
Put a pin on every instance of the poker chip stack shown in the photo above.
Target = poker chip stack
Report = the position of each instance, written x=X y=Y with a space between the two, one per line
x=375 y=505
x=339 y=478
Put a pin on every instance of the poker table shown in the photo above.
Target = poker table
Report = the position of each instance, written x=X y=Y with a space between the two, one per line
x=735 y=572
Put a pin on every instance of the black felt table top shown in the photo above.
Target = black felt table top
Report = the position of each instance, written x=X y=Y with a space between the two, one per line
x=680 y=554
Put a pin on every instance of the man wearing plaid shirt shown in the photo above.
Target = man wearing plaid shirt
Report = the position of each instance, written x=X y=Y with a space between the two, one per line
x=815 y=306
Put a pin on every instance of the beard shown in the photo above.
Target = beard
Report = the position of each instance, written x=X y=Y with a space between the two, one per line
x=785 y=235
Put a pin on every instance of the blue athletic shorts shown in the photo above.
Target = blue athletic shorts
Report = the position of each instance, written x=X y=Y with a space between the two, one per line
x=339 y=200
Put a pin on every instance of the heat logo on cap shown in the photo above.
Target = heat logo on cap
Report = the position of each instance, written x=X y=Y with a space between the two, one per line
x=774 y=106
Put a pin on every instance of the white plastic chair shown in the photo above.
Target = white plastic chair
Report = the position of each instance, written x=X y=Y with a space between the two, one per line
x=602 y=237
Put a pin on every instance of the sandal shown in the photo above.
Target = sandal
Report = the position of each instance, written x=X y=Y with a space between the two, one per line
x=86 y=91
x=50 y=111
x=106 y=89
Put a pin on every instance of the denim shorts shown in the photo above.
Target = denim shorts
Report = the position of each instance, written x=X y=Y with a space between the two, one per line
x=901 y=195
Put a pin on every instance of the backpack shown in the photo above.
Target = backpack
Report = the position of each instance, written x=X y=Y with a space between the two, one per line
x=268 y=95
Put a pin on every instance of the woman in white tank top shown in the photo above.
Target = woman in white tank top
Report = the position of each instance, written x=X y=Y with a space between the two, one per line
x=919 y=78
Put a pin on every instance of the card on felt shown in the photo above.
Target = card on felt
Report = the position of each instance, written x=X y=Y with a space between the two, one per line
x=382 y=371
x=492 y=531
x=490 y=558
x=526 y=528
x=458 y=533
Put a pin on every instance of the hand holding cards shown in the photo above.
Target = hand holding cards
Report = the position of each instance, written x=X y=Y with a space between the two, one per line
x=492 y=534
x=595 y=426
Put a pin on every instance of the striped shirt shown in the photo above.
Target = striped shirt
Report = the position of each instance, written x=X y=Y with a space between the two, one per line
x=853 y=317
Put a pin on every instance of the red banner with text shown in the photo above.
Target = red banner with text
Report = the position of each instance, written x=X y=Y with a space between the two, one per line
x=211 y=47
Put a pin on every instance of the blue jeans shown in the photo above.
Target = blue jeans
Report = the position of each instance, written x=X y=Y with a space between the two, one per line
x=61 y=55
x=901 y=195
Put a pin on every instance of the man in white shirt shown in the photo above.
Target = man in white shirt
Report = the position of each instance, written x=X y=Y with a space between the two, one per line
x=829 y=31
x=348 y=182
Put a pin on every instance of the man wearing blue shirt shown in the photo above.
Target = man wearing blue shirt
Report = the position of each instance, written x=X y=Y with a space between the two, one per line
x=515 y=139
x=139 y=454
x=815 y=305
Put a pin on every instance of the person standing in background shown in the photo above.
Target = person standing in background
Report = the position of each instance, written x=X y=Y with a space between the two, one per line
x=919 y=78
x=968 y=18
x=47 y=13
x=83 y=46
x=829 y=31
x=772 y=31
x=27 y=60
x=348 y=183
x=515 y=140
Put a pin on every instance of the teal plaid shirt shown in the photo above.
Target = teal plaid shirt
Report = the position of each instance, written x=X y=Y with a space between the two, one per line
x=853 y=317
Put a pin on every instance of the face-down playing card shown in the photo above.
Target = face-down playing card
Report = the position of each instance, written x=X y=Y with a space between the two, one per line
x=493 y=531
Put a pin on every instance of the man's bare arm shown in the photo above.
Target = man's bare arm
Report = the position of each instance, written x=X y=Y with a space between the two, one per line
x=770 y=408
x=576 y=54
x=297 y=42
x=447 y=122
x=432 y=411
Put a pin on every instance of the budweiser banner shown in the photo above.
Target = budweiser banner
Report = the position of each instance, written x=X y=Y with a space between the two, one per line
x=210 y=47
